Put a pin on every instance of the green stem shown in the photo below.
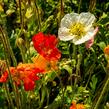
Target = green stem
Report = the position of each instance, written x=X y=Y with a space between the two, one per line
x=80 y=2
x=38 y=16
x=62 y=87
x=102 y=93
x=23 y=98
x=18 y=98
x=9 y=99
x=22 y=54
x=78 y=68
x=92 y=5
x=90 y=73
x=7 y=46
x=61 y=9
x=74 y=51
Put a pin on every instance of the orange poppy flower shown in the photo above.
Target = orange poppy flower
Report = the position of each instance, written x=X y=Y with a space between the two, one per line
x=77 y=106
x=43 y=63
x=27 y=73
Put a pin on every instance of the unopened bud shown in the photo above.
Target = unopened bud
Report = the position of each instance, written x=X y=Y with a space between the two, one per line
x=19 y=41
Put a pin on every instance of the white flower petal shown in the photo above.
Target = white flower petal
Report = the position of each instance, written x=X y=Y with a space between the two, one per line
x=69 y=19
x=87 y=18
x=85 y=38
x=64 y=35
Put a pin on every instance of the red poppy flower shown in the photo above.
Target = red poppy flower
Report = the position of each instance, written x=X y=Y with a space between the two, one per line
x=4 y=77
x=46 y=46
x=29 y=84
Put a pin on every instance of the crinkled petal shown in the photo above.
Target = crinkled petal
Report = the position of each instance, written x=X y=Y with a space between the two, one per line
x=29 y=84
x=69 y=19
x=85 y=38
x=64 y=34
x=87 y=18
x=4 y=77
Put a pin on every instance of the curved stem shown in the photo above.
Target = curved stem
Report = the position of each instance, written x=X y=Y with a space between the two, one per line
x=102 y=93
x=79 y=6
x=61 y=9
x=7 y=46
x=39 y=20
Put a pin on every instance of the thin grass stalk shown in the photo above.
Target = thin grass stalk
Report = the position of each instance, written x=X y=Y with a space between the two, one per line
x=18 y=98
x=12 y=83
x=6 y=47
x=21 y=30
x=22 y=54
x=90 y=73
x=102 y=93
x=62 y=87
x=21 y=19
x=61 y=9
x=9 y=98
x=78 y=68
x=20 y=11
x=48 y=97
x=38 y=15
x=23 y=98
x=79 y=6
x=92 y=5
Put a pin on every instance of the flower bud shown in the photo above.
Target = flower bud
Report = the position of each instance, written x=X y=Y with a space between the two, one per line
x=19 y=42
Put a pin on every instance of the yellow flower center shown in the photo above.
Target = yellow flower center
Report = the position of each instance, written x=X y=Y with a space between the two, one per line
x=78 y=30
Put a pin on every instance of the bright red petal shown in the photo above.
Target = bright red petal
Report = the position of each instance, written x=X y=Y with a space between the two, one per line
x=29 y=84
x=46 y=46
x=4 y=77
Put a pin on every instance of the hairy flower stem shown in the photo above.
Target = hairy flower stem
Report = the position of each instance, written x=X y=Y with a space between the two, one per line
x=38 y=15
x=61 y=9
x=92 y=5
x=22 y=53
x=9 y=99
x=23 y=98
x=78 y=68
x=20 y=11
x=12 y=83
x=62 y=86
x=7 y=46
x=18 y=98
x=79 y=6
x=102 y=93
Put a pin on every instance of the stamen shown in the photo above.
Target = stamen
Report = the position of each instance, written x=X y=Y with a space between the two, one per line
x=78 y=30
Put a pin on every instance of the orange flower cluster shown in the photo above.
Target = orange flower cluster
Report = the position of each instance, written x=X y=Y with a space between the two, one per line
x=26 y=73
x=46 y=61
x=77 y=106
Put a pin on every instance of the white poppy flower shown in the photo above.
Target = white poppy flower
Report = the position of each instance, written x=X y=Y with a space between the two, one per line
x=77 y=27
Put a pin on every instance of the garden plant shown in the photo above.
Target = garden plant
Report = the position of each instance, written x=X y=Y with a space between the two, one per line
x=54 y=54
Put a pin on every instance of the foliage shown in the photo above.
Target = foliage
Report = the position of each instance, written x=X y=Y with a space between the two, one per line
x=82 y=74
